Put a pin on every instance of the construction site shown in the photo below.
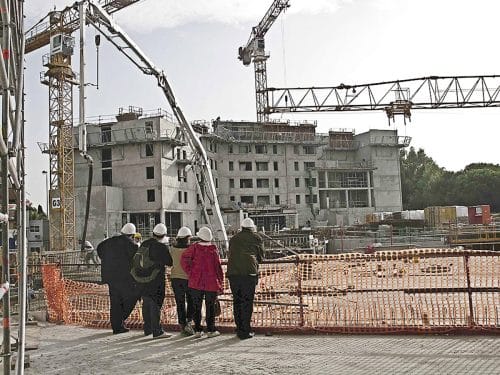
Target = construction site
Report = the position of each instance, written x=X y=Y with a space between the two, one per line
x=342 y=254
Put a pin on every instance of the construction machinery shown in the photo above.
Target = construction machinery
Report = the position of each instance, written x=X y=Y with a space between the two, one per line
x=397 y=97
x=97 y=16
x=56 y=29
x=254 y=51
x=61 y=78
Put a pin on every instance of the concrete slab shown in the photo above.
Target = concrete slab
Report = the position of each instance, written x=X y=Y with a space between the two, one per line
x=76 y=350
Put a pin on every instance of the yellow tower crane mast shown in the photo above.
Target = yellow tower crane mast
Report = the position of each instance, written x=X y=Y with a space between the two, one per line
x=55 y=30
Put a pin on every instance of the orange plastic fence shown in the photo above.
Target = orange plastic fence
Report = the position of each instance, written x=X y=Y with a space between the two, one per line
x=431 y=290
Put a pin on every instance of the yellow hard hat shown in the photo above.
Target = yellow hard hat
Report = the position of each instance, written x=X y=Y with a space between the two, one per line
x=137 y=235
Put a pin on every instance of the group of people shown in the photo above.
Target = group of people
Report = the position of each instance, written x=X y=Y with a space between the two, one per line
x=135 y=270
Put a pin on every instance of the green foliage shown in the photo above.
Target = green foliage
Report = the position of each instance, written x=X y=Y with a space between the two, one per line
x=426 y=184
x=35 y=213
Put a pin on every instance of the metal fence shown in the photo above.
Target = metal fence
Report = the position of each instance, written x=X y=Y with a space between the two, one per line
x=431 y=290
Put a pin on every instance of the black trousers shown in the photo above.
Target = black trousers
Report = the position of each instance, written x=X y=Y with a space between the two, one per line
x=243 y=290
x=122 y=298
x=182 y=296
x=197 y=296
x=152 y=302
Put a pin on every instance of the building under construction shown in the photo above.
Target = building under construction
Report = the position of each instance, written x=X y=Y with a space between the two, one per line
x=279 y=174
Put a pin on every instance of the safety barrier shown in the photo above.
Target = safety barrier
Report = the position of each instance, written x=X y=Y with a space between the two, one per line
x=408 y=291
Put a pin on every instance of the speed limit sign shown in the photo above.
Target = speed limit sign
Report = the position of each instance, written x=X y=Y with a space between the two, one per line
x=56 y=203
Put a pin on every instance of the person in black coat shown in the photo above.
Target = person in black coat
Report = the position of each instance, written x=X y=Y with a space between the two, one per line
x=153 y=292
x=116 y=254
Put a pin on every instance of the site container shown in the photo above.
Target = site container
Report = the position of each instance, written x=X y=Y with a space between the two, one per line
x=480 y=214
x=413 y=215
x=371 y=218
x=438 y=216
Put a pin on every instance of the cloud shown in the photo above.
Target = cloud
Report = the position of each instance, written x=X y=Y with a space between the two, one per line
x=148 y=15
x=160 y=14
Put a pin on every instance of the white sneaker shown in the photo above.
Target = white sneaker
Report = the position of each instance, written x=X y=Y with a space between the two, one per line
x=213 y=334
x=199 y=334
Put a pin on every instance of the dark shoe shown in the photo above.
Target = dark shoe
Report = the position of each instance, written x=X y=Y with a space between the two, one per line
x=244 y=336
x=161 y=335
x=147 y=333
x=121 y=330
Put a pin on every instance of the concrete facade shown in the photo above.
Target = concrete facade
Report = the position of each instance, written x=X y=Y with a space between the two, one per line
x=289 y=175
x=139 y=162
x=280 y=174
x=37 y=235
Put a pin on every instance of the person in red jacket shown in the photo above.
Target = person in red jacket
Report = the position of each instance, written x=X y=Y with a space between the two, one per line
x=201 y=263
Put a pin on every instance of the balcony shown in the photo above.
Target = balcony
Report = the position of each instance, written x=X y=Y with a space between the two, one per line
x=344 y=165
x=343 y=145
x=390 y=140
x=130 y=135
x=260 y=135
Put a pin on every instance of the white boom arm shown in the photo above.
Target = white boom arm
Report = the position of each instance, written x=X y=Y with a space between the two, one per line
x=101 y=20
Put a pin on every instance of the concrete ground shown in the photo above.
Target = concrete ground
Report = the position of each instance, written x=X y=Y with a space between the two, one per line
x=76 y=350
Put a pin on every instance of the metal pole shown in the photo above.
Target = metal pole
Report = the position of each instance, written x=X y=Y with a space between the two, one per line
x=81 y=109
x=22 y=293
x=6 y=352
x=47 y=192
x=471 y=320
x=22 y=250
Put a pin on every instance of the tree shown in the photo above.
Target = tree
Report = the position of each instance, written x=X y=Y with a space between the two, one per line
x=426 y=184
x=419 y=175
x=479 y=186
x=35 y=213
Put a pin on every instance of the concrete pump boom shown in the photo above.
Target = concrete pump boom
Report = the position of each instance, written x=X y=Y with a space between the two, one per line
x=100 y=19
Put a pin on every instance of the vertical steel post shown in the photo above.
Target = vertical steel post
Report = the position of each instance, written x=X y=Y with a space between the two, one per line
x=81 y=109
x=299 y=290
x=469 y=292
x=6 y=352
x=22 y=248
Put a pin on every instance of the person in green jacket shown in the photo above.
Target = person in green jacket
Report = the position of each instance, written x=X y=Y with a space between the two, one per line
x=246 y=251
x=179 y=281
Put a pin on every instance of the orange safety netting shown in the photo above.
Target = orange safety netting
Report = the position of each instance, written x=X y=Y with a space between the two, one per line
x=421 y=290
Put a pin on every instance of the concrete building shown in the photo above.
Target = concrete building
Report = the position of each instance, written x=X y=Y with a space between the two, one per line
x=280 y=174
x=140 y=176
x=284 y=174
x=37 y=234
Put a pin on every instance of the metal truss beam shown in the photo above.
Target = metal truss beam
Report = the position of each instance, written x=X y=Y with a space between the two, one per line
x=394 y=97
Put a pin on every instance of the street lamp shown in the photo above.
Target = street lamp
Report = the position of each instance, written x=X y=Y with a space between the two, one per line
x=47 y=191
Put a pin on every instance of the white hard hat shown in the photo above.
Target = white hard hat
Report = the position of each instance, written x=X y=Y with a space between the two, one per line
x=247 y=223
x=128 y=229
x=88 y=245
x=184 y=232
x=160 y=229
x=205 y=234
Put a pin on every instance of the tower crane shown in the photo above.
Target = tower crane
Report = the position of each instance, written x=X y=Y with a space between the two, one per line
x=254 y=51
x=394 y=97
x=56 y=29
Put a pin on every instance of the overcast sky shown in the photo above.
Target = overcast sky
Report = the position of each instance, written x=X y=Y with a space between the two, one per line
x=316 y=43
